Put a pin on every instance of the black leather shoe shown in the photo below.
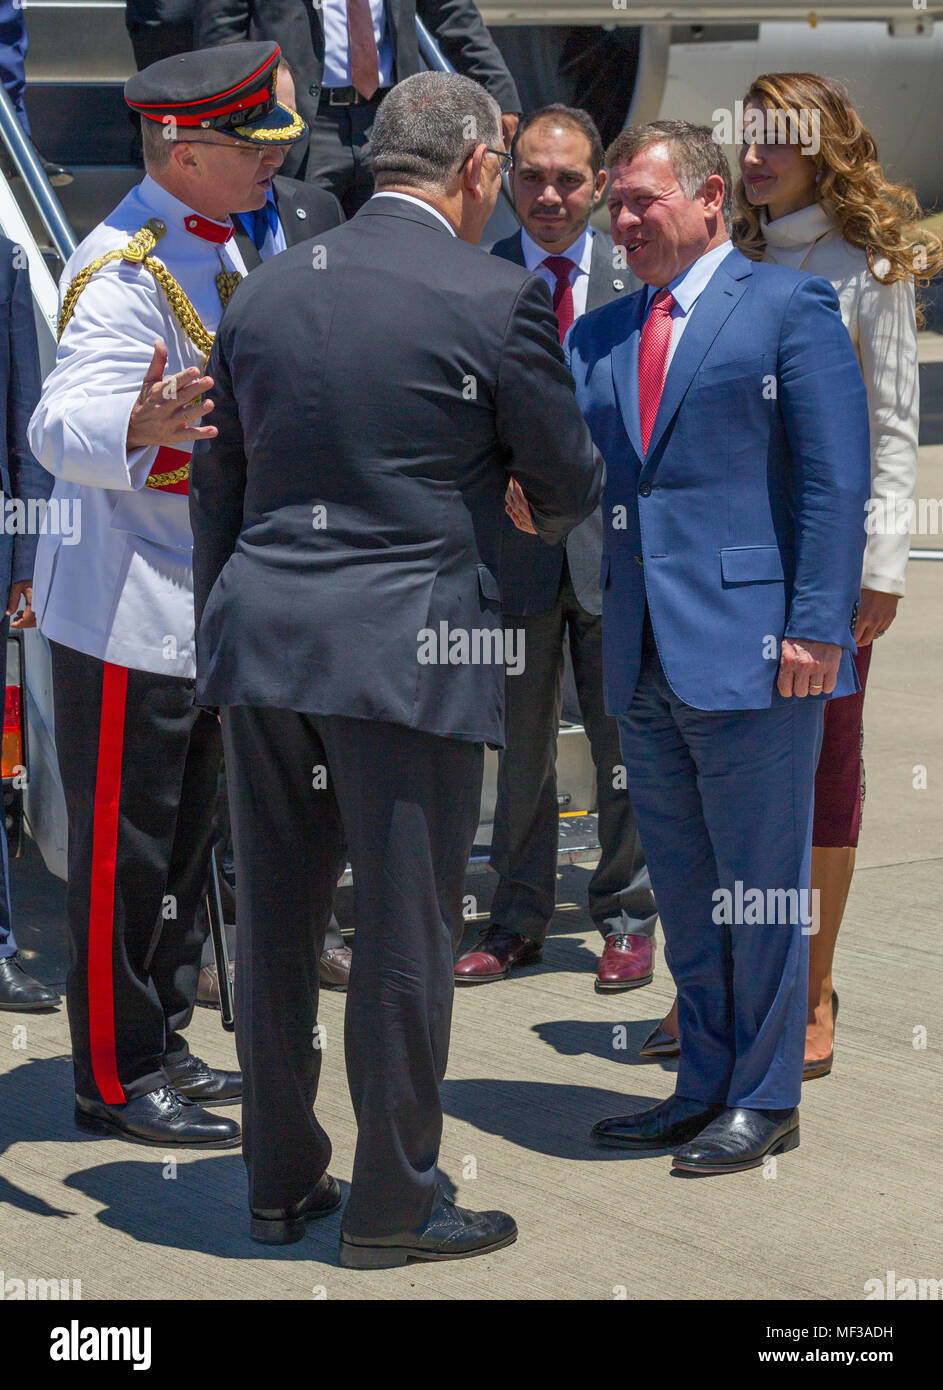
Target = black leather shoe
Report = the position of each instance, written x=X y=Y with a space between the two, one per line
x=740 y=1139
x=671 y=1122
x=451 y=1233
x=283 y=1226
x=196 y=1081
x=19 y=991
x=159 y=1117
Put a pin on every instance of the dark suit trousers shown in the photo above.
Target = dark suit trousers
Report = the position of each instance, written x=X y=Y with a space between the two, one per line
x=139 y=765
x=408 y=802
x=338 y=153
x=526 y=822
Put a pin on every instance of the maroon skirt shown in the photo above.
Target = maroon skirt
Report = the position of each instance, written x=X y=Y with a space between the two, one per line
x=839 y=779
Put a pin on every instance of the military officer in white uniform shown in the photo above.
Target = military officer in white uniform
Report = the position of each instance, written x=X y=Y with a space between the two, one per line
x=142 y=297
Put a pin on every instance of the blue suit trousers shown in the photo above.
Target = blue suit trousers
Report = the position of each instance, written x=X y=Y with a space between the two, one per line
x=723 y=801
x=7 y=940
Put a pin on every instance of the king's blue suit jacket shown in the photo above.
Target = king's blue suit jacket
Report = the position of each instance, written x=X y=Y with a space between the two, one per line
x=744 y=522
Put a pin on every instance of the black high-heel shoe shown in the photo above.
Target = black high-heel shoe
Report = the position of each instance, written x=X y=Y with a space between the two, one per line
x=811 y=1070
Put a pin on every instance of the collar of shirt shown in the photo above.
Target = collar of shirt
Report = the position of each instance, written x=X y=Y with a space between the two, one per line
x=408 y=198
x=580 y=251
x=688 y=287
x=172 y=211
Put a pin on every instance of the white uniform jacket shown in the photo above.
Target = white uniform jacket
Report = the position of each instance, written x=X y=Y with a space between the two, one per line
x=121 y=587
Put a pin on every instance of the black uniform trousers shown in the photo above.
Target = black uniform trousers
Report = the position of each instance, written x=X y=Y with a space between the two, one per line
x=526 y=821
x=408 y=803
x=139 y=765
x=337 y=155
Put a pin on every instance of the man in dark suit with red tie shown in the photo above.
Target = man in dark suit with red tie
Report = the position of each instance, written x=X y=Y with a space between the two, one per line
x=553 y=593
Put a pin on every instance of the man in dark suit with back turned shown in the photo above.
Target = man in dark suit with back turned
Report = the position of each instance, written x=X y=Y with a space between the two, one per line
x=347 y=530
x=345 y=55
x=552 y=592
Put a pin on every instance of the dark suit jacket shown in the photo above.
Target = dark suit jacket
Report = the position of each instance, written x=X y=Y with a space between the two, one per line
x=391 y=388
x=304 y=210
x=20 y=379
x=530 y=572
x=298 y=27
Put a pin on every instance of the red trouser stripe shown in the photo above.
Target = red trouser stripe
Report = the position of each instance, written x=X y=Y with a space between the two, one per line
x=101 y=924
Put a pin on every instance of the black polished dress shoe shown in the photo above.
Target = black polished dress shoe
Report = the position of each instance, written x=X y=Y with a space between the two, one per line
x=196 y=1081
x=660 y=1043
x=19 y=991
x=740 y=1139
x=159 y=1117
x=671 y=1122
x=451 y=1233
x=285 y=1225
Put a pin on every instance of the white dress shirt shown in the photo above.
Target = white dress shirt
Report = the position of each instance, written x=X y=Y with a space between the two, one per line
x=687 y=289
x=882 y=324
x=580 y=252
x=124 y=591
x=408 y=198
x=337 y=43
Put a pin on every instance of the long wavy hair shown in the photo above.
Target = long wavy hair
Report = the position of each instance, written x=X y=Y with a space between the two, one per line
x=880 y=217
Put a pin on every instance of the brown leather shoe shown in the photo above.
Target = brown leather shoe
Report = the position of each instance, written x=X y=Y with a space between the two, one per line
x=495 y=954
x=334 y=967
x=626 y=963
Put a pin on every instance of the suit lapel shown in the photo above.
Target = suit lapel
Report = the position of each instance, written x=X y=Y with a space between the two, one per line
x=713 y=307
x=515 y=249
x=601 y=288
x=624 y=361
x=246 y=246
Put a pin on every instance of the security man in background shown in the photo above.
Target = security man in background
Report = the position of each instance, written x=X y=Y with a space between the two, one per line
x=116 y=422
x=345 y=55
x=552 y=593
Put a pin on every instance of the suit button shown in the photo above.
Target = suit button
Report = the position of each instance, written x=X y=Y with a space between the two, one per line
x=645 y=490
x=314 y=90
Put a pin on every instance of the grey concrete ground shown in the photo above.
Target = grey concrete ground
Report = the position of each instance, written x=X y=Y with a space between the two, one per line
x=534 y=1061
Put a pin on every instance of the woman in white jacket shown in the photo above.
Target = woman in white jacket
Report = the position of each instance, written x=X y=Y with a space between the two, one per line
x=812 y=195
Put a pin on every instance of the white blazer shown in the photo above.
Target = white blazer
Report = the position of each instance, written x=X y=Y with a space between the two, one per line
x=882 y=323
x=124 y=591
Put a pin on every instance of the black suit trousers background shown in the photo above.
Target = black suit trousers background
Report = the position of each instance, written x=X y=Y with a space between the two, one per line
x=169 y=764
x=408 y=803
x=526 y=824
x=337 y=155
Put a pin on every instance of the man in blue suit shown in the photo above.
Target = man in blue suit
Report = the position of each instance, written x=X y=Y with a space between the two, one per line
x=728 y=404
x=20 y=477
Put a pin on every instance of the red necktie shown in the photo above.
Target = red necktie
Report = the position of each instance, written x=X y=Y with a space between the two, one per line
x=364 y=58
x=653 y=362
x=560 y=267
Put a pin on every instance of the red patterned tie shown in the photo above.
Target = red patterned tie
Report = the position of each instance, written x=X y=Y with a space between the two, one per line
x=560 y=267
x=653 y=362
x=364 y=58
